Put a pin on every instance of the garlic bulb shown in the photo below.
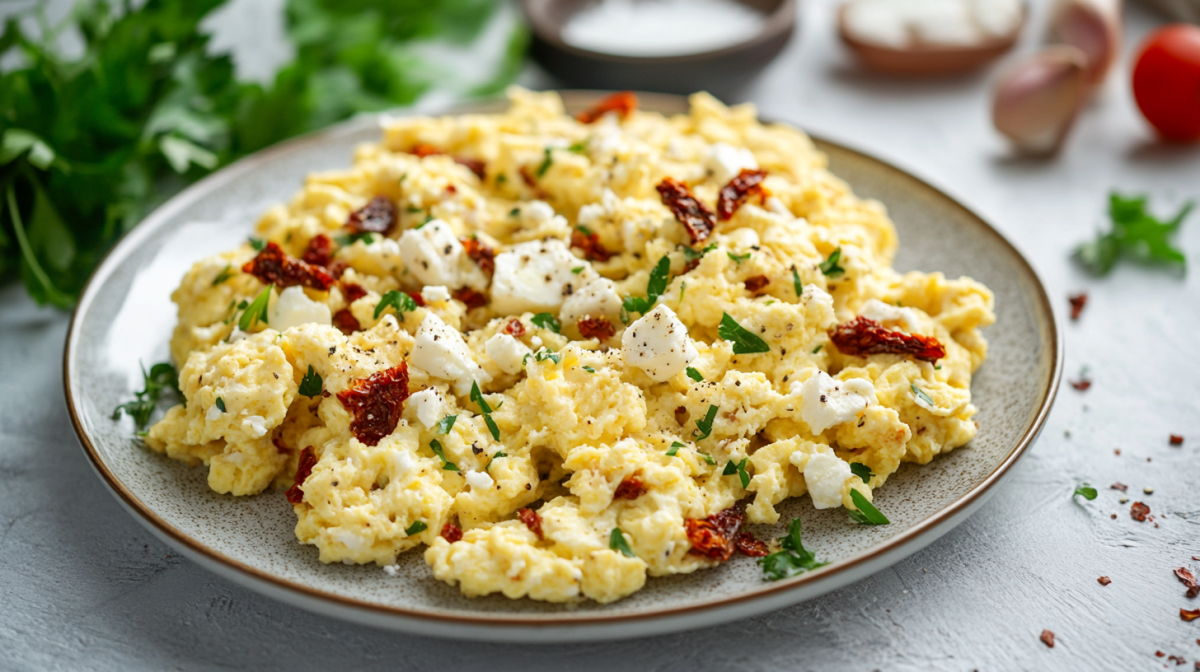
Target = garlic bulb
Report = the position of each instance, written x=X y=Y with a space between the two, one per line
x=1037 y=99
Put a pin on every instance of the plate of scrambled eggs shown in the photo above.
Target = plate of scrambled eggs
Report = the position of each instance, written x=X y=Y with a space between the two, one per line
x=569 y=366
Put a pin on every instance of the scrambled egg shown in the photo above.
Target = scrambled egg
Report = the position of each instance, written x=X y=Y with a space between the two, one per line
x=573 y=411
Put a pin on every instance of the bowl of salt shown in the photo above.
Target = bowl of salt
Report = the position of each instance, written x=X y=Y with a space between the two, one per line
x=672 y=46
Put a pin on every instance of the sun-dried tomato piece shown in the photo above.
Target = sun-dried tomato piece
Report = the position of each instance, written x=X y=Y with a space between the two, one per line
x=597 y=328
x=481 y=254
x=346 y=322
x=377 y=216
x=1047 y=638
x=691 y=213
x=532 y=520
x=630 y=488
x=451 y=532
x=714 y=537
x=273 y=266
x=376 y=403
x=748 y=544
x=733 y=195
x=473 y=298
x=319 y=251
x=515 y=328
x=1082 y=384
x=1189 y=581
x=308 y=460
x=352 y=292
x=423 y=150
x=862 y=336
x=476 y=166
x=1104 y=580
x=589 y=243
x=337 y=268
x=755 y=285
x=1078 y=301
x=280 y=446
x=622 y=102
x=1189 y=615
x=1176 y=440
x=530 y=180
x=1139 y=511
x=417 y=298
x=1119 y=486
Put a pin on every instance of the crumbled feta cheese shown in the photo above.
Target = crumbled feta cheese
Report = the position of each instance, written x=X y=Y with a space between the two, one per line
x=293 y=308
x=595 y=212
x=435 y=293
x=776 y=206
x=429 y=405
x=598 y=298
x=724 y=162
x=536 y=276
x=507 y=352
x=391 y=570
x=658 y=344
x=515 y=569
x=826 y=474
x=213 y=413
x=883 y=312
x=536 y=212
x=478 y=480
x=606 y=136
x=433 y=254
x=442 y=352
x=814 y=298
x=826 y=401
x=237 y=335
x=255 y=426
x=401 y=461
x=348 y=539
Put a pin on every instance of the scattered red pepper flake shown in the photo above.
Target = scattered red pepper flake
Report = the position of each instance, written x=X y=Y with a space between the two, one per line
x=713 y=537
x=589 y=243
x=481 y=254
x=345 y=321
x=863 y=336
x=597 y=328
x=515 y=328
x=691 y=213
x=756 y=284
x=622 y=102
x=1104 y=580
x=738 y=191
x=1047 y=638
x=377 y=216
x=473 y=298
x=1188 y=579
x=1119 y=486
x=452 y=532
x=1176 y=440
x=308 y=460
x=319 y=251
x=748 y=544
x=376 y=403
x=1078 y=301
x=1189 y=615
x=630 y=488
x=532 y=520
x=352 y=292
x=1139 y=511
x=273 y=266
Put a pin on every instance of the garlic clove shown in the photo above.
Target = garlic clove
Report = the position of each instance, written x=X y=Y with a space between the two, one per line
x=1092 y=26
x=1037 y=99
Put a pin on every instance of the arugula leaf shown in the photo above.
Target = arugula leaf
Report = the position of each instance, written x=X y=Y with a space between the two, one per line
x=694 y=374
x=616 y=542
x=161 y=378
x=547 y=321
x=866 y=514
x=921 y=395
x=1135 y=234
x=659 y=277
x=444 y=425
x=830 y=266
x=311 y=384
x=1086 y=491
x=705 y=426
x=744 y=342
x=792 y=560
x=416 y=528
x=796 y=284
x=862 y=471
x=401 y=302
x=447 y=465
x=738 y=468
x=256 y=311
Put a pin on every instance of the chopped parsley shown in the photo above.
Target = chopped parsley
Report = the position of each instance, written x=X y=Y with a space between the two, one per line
x=674 y=448
x=1135 y=234
x=416 y=528
x=161 y=378
x=1086 y=491
x=616 y=541
x=345 y=240
x=257 y=243
x=221 y=404
x=921 y=395
x=744 y=341
x=514 y=212
x=545 y=163
x=792 y=560
x=311 y=384
x=654 y=288
x=694 y=374
x=544 y=354
x=547 y=321
x=412 y=209
x=692 y=255
x=682 y=290
x=739 y=258
x=705 y=426
x=818 y=348
x=830 y=266
x=398 y=300
x=866 y=514
x=447 y=465
x=498 y=455
x=796 y=284
x=577 y=270
x=256 y=311
x=578 y=148
x=589 y=369
x=738 y=468
x=477 y=397
x=583 y=229
x=862 y=471
x=224 y=275
x=444 y=425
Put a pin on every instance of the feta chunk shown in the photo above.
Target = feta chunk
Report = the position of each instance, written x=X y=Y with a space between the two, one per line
x=214 y=413
x=883 y=313
x=598 y=298
x=429 y=405
x=255 y=426
x=507 y=352
x=826 y=401
x=537 y=212
x=442 y=352
x=536 y=277
x=293 y=308
x=826 y=474
x=658 y=344
x=435 y=293
x=434 y=255
x=478 y=480
x=724 y=162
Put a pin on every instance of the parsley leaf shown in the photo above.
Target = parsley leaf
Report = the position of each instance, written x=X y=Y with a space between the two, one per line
x=257 y=244
x=655 y=287
x=416 y=528
x=444 y=425
x=705 y=426
x=162 y=378
x=311 y=384
x=547 y=321
x=616 y=542
x=1086 y=491
x=589 y=369
x=577 y=270
x=830 y=266
x=348 y=239
x=920 y=394
x=674 y=448
x=400 y=301
x=862 y=471
x=818 y=348
x=738 y=468
x=796 y=284
x=739 y=258
x=792 y=560
x=578 y=148
x=1135 y=234
x=256 y=311
x=693 y=255
x=544 y=354
x=694 y=374
x=546 y=162
x=477 y=397
x=224 y=275
x=221 y=404
x=447 y=465
x=866 y=514
x=496 y=456
x=744 y=341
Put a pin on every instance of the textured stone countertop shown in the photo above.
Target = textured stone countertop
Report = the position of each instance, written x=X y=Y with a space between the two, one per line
x=83 y=586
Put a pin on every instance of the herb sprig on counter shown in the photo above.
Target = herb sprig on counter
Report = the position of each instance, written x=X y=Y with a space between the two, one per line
x=1135 y=234
x=161 y=378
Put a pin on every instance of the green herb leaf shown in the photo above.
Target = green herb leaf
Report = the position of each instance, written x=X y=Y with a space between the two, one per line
x=578 y=148
x=739 y=258
x=444 y=425
x=256 y=311
x=705 y=426
x=311 y=384
x=162 y=378
x=544 y=354
x=416 y=528
x=694 y=374
x=866 y=514
x=616 y=542
x=692 y=255
x=224 y=275
x=547 y=321
x=447 y=465
x=818 y=348
x=862 y=471
x=920 y=394
x=221 y=404
x=707 y=458
x=477 y=397
x=401 y=302
x=682 y=290
x=514 y=212
x=1086 y=491
x=744 y=341
x=495 y=457
x=256 y=243
x=659 y=277
x=589 y=369
x=674 y=448
x=1135 y=234
x=830 y=266
x=738 y=468
x=577 y=270
x=796 y=284
x=792 y=560
x=546 y=162
x=348 y=239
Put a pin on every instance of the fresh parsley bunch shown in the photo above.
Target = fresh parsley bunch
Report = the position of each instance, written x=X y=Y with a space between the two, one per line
x=1135 y=234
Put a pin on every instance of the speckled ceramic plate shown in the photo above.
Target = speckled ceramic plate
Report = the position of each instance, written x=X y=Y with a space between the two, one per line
x=125 y=316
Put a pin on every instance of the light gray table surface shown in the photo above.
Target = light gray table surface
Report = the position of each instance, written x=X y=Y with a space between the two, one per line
x=83 y=586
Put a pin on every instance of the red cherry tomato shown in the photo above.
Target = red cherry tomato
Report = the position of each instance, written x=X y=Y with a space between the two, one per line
x=1166 y=81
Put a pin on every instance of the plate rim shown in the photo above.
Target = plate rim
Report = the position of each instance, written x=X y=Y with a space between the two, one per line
x=284 y=589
